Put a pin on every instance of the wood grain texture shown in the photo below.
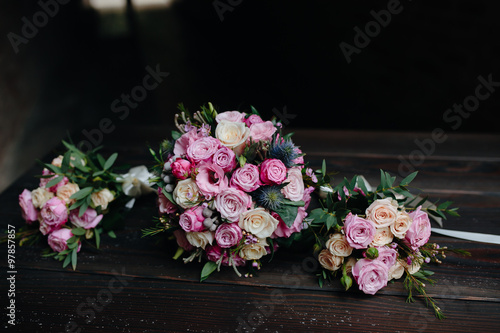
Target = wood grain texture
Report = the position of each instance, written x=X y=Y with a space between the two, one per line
x=164 y=295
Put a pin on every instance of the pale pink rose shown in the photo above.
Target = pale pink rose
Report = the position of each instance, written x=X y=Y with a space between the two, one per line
x=273 y=171
x=383 y=236
x=58 y=240
x=28 y=210
x=233 y=116
x=192 y=219
x=225 y=158
x=387 y=255
x=181 y=144
x=202 y=149
x=307 y=196
x=211 y=180
x=253 y=119
x=44 y=181
x=299 y=161
x=420 y=230
x=359 y=232
x=283 y=230
x=383 y=212
x=246 y=178
x=231 y=203
x=164 y=205
x=180 y=237
x=88 y=220
x=295 y=188
x=228 y=235
x=370 y=275
x=233 y=135
x=262 y=131
x=181 y=169
x=53 y=215
x=214 y=253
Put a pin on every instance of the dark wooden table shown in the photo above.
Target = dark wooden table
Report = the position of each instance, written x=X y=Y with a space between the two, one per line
x=133 y=285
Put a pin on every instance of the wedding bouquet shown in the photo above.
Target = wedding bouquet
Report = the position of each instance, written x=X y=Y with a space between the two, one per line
x=375 y=236
x=230 y=188
x=79 y=198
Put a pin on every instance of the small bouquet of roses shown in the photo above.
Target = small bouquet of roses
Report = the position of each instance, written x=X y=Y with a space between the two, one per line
x=230 y=188
x=375 y=236
x=79 y=198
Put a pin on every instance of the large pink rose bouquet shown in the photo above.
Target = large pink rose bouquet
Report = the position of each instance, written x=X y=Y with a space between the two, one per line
x=372 y=236
x=79 y=197
x=230 y=188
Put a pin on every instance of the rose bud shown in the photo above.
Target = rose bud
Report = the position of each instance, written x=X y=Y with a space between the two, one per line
x=372 y=253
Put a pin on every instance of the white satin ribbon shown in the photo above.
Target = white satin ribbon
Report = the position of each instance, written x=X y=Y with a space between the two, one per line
x=472 y=236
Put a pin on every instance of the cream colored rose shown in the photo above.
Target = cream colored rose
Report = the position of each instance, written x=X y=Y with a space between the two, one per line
x=402 y=224
x=186 y=194
x=102 y=198
x=382 y=212
x=258 y=222
x=295 y=188
x=254 y=251
x=40 y=196
x=232 y=135
x=349 y=264
x=330 y=261
x=337 y=245
x=57 y=161
x=413 y=268
x=383 y=236
x=396 y=271
x=66 y=191
x=200 y=239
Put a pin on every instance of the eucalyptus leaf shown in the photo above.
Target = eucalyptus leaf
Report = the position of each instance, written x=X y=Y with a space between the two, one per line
x=208 y=269
x=111 y=160
x=54 y=181
x=82 y=193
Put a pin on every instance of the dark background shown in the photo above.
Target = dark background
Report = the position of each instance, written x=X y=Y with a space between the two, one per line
x=269 y=54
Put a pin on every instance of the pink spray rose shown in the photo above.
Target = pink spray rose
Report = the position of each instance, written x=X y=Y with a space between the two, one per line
x=233 y=116
x=262 y=131
x=420 y=230
x=359 y=232
x=28 y=210
x=202 y=149
x=181 y=169
x=253 y=119
x=246 y=178
x=164 y=205
x=180 y=237
x=387 y=255
x=225 y=158
x=58 y=240
x=272 y=171
x=88 y=220
x=228 y=235
x=370 y=275
x=211 y=180
x=192 y=219
x=214 y=252
x=45 y=181
x=231 y=203
x=54 y=214
x=186 y=139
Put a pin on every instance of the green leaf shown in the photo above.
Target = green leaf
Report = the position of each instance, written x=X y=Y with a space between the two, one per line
x=65 y=161
x=383 y=179
x=408 y=179
x=76 y=204
x=83 y=208
x=82 y=193
x=287 y=214
x=208 y=269
x=97 y=233
x=176 y=135
x=67 y=260
x=331 y=221
x=98 y=173
x=323 y=168
x=111 y=234
x=299 y=203
x=111 y=160
x=53 y=168
x=78 y=231
x=101 y=160
x=169 y=196
x=74 y=258
x=54 y=181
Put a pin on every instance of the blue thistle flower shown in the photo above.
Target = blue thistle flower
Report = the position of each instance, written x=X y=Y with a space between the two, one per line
x=284 y=151
x=269 y=197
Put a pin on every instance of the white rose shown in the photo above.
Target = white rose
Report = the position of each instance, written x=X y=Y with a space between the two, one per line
x=383 y=212
x=330 y=261
x=66 y=191
x=186 y=194
x=258 y=222
x=295 y=189
x=254 y=251
x=102 y=198
x=401 y=225
x=200 y=239
x=383 y=236
x=40 y=196
x=337 y=245
x=396 y=271
x=349 y=264
x=232 y=135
